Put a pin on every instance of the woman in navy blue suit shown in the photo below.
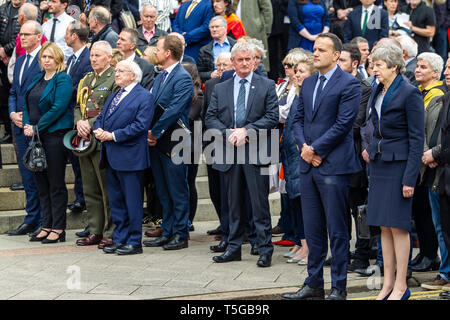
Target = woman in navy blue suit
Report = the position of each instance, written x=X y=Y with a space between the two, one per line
x=397 y=113
x=47 y=111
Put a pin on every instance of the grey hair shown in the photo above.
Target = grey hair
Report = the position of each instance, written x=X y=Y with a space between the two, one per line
x=258 y=45
x=409 y=45
x=391 y=54
x=223 y=54
x=134 y=68
x=29 y=11
x=219 y=18
x=101 y=14
x=104 y=45
x=37 y=26
x=296 y=55
x=242 y=46
x=151 y=6
x=436 y=62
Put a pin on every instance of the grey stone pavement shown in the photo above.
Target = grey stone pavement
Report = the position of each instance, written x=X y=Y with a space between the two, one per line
x=64 y=271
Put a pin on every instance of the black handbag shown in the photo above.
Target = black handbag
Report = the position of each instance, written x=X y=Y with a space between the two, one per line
x=362 y=229
x=165 y=143
x=34 y=158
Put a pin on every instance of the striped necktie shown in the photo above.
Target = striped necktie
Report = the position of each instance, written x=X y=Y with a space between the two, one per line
x=240 y=105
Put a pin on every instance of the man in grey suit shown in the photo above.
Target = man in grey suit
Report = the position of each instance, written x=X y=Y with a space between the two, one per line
x=240 y=116
x=126 y=43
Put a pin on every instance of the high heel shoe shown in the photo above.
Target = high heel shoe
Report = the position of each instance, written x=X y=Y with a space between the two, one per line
x=387 y=296
x=61 y=237
x=406 y=295
x=36 y=238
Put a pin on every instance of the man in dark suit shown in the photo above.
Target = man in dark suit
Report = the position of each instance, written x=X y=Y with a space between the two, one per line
x=173 y=90
x=444 y=160
x=192 y=21
x=326 y=110
x=410 y=49
x=367 y=21
x=208 y=54
x=78 y=66
x=252 y=107
x=148 y=32
x=27 y=66
x=126 y=43
x=122 y=128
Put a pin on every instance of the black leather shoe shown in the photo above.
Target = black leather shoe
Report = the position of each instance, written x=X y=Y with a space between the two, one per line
x=427 y=264
x=214 y=231
x=416 y=260
x=254 y=251
x=227 y=256
x=113 y=248
x=77 y=207
x=221 y=247
x=357 y=264
x=128 y=249
x=159 y=242
x=305 y=293
x=336 y=294
x=16 y=187
x=264 y=261
x=83 y=234
x=35 y=232
x=22 y=230
x=176 y=243
x=370 y=270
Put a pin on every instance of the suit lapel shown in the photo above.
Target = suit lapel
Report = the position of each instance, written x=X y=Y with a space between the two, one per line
x=328 y=86
x=251 y=94
x=49 y=88
x=161 y=87
x=30 y=68
x=230 y=89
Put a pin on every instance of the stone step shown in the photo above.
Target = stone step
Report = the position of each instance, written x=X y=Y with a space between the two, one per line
x=11 y=174
x=11 y=219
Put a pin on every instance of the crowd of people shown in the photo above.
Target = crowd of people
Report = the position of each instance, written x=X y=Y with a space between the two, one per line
x=355 y=93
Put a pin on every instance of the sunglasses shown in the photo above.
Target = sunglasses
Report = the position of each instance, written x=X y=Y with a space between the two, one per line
x=289 y=65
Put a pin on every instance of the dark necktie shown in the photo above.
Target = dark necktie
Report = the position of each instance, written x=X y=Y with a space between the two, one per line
x=319 y=90
x=52 y=34
x=73 y=60
x=164 y=76
x=115 y=101
x=240 y=105
x=25 y=68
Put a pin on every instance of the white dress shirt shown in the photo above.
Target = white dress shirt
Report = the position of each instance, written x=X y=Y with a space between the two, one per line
x=60 y=31
x=369 y=9
x=33 y=55
x=77 y=56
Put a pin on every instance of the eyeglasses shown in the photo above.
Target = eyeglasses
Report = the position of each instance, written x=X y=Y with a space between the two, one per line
x=27 y=34
x=121 y=71
x=289 y=65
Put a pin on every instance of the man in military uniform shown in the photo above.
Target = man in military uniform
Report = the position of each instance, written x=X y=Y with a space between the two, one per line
x=93 y=90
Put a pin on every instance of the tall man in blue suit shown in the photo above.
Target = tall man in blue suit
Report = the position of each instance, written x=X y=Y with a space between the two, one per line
x=192 y=21
x=122 y=128
x=367 y=21
x=326 y=110
x=27 y=66
x=78 y=65
x=173 y=89
x=246 y=105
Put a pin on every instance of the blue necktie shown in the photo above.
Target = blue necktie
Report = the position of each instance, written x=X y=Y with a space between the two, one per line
x=25 y=68
x=115 y=101
x=164 y=76
x=240 y=105
x=319 y=90
x=361 y=72
x=374 y=82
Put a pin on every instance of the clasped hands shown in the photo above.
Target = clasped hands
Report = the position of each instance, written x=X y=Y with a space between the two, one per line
x=238 y=137
x=310 y=156
x=28 y=130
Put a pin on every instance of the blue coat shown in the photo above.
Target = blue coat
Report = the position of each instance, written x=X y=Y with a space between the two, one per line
x=130 y=123
x=329 y=128
x=17 y=93
x=399 y=134
x=54 y=104
x=196 y=26
x=176 y=96
x=290 y=156
x=380 y=30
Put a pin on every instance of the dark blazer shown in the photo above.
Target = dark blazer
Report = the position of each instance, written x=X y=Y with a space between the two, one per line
x=410 y=72
x=189 y=59
x=399 y=134
x=107 y=34
x=78 y=71
x=328 y=128
x=353 y=26
x=142 y=43
x=444 y=157
x=17 y=93
x=54 y=104
x=176 y=96
x=130 y=122
x=148 y=72
x=261 y=113
x=196 y=26
x=205 y=61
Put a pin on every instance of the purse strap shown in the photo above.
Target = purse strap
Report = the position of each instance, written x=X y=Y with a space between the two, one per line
x=36 y=130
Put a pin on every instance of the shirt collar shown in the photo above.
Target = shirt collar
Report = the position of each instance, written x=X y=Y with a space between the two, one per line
x=78 y=53
x=226 y=41
x=130 y=87
x=369 y=9
x=34 y=52
x=248 y=78
x=131 y=58
x=170 y=68
x=329 y=73
x=152 y=31
x=431 y=85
